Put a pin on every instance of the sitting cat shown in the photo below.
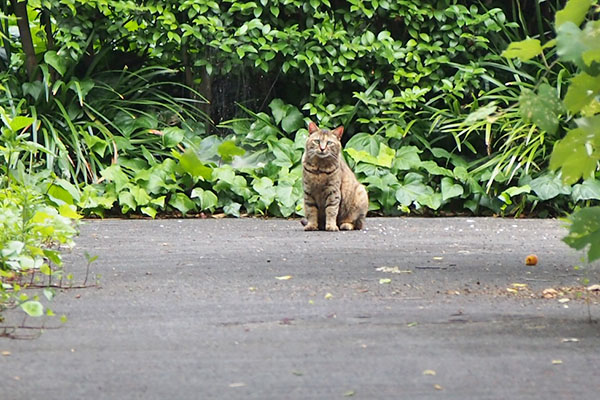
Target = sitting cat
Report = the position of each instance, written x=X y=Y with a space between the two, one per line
x=333 y=198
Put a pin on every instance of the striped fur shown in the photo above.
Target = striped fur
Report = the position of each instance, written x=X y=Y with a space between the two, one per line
x=333 y=198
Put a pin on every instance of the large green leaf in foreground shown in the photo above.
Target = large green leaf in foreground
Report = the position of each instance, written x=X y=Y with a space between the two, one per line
x=584 y=230
x=577 y=154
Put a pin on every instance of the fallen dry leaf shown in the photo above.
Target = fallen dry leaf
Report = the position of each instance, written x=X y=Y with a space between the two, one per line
x=385 y=280
x=237 y=384
x=429 y=372
x=328 y=296
x=511 y=290
x=438 y=258
x=570 y=340
x=393 y=270
x=549 y=293
x=519 y=285
x=283 y=278
x=438 y=387
x=5 y=353
x=556 y=362
x=349 y=393
x=564 y=300
x=593 y=288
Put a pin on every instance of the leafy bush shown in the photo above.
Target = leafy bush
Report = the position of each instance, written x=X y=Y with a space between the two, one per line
x=575 y=155
x=117 y=90
x=34 y=223
x=257 y=172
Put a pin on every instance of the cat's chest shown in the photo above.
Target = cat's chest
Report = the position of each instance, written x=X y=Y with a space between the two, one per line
x=316 y=177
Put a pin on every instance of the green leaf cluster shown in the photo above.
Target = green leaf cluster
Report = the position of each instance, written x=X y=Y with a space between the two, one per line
x=576 y=155
x=37 y=214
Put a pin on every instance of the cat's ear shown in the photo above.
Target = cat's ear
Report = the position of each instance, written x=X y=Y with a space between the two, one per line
x=339 y=131
x=312 y=128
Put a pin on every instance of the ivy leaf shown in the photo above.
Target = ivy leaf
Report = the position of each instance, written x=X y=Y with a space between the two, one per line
x=69 y=211
x=548 y=186
x=278 y=109
x=228 y=149
x=574 y=11
x=286 y=199
x=383 y=159
x=191 y=164
x=232 y=208
x=207 y=199
x=542 y=109
x=116 y=175
x=33 y=308
x=432 y=200
x=434 y=169
x=172 y=136
x=577 y=153
x=57 y=62
x=588 y=190
x=569 y=45
x=149 y=211
x=580 y=46
x=394 y=131
x=264 y=187
x=182 y=203
x=408 y=193
x=584 y=230
x=525 y=49
x=450 y=189
x=293 y=121
x=407 y=158
x=127 y=201
x=364 y=141
x=140 y=195
x=512 y=192
x=583 y=90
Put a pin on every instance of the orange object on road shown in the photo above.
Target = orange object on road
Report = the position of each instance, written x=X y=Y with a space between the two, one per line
x=531 y=259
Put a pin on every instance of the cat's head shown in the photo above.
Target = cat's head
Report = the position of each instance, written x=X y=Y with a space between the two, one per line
x=322 y=143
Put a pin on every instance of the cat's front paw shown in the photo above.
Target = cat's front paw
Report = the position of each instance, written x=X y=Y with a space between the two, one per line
x=346 y=226
x=311 y=227
x=332 y=228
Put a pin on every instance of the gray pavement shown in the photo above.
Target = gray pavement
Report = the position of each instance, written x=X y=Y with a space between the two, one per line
x=260 y=309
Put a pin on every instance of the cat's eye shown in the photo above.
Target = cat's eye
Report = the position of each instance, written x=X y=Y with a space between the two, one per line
x=329 y=143
x=316 y=141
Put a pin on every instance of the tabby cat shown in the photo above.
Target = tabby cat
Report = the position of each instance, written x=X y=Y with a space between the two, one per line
x=333 y=198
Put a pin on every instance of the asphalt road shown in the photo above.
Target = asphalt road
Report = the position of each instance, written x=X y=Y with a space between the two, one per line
x=259 y=309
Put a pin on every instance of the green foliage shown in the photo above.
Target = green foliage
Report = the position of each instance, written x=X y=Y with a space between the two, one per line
x=436 y=122
x=256 y=169
x=36 y=216
x=576 y=155
x=584 y=231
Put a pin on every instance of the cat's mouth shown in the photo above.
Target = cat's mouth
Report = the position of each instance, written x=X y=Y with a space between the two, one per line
x=323 y=154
